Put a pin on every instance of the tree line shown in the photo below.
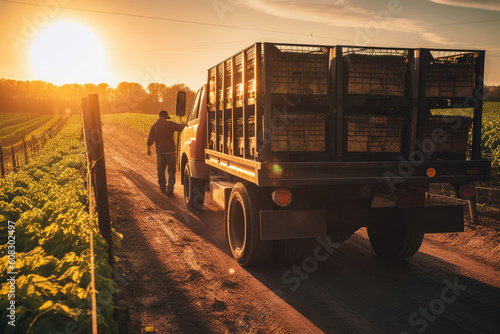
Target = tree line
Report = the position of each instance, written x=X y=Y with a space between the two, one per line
x=46 y=98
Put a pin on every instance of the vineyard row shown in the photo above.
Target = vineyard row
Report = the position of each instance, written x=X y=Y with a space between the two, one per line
x=14 y=157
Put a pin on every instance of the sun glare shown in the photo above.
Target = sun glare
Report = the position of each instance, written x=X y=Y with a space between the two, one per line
x=66 y=52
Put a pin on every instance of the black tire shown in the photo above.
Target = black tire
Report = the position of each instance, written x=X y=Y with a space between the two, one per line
x=194 y=190
x=243 y=227
x=392 y=241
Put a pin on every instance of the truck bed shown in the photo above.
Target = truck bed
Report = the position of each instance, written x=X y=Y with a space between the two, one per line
x=282 y=174
x=283 y=114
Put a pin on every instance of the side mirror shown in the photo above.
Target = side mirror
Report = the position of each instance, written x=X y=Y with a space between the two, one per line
x=180 y=106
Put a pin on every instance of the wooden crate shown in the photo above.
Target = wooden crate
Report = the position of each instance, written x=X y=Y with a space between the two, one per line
x=374 y=133
x=299 y=132
x=375 y=74
x=451 y=132
x=299 y=70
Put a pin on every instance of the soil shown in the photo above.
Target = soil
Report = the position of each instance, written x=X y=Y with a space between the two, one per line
x=176 y=274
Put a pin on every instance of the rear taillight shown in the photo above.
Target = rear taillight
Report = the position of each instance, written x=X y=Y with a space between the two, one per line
x=282 y=197
x=466 y=191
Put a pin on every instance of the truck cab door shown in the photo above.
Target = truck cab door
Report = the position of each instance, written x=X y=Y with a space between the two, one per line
x=189 y=132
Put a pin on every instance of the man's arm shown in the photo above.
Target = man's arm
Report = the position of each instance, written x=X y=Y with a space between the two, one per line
x=179 y=127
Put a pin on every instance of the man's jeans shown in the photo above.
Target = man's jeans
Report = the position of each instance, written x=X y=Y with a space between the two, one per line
x=163 y=160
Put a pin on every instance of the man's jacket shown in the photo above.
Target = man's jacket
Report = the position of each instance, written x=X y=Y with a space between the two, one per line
x=162 y=135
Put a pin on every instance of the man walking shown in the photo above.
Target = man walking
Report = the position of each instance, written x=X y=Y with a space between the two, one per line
x=162 y=135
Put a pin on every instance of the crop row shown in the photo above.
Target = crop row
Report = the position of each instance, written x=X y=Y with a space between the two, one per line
x=14 y=133
x=47 y=203
x=9 y=119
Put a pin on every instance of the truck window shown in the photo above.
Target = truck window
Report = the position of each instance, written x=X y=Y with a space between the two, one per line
x=196 y=108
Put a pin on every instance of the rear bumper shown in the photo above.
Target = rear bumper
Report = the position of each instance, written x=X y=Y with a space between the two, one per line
x=298 y=224
x=427 y=219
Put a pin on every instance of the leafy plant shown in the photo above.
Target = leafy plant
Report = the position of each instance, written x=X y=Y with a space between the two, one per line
x=47 y=200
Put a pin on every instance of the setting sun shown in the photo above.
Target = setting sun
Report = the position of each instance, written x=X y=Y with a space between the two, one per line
x=66 y=52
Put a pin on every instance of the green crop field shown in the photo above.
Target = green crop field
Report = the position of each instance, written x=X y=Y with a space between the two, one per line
x=15 y=127
x=45 y=229
x=491 y=133
x=139 y=122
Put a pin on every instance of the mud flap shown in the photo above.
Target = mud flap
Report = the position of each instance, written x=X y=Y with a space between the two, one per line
x=292 y=224
x=428 y=219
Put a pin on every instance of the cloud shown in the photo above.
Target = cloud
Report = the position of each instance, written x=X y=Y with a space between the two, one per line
x=478 y=4
x=341 y=13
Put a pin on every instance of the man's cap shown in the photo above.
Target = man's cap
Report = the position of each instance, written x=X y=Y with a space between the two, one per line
x=163 y=113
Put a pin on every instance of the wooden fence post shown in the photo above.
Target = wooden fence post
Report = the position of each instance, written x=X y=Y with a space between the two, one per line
x=2 y=167
x=473 y=210
x=13 y=159
x=95 y=151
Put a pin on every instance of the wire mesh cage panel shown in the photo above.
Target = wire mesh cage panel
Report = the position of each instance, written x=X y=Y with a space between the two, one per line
x=375 y=71
x=450 y=73
x=212 y=94
x=211 y=130
x=250 y=127
x=250 y=76
x=298 y=132
x=250 y=135
x=374 y=133
x=446 y=134
x=222 y=143
x=220 y=89
x=299 y=70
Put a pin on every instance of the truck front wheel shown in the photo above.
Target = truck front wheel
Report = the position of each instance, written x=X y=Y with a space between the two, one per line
x=194 y=190
x=243 y=226
x=392 y=241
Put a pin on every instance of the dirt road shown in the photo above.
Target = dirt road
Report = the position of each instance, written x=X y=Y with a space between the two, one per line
x=178 y=275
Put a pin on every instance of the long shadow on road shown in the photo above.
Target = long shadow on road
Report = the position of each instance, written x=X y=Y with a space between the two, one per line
x=206 y=223
x=160 y=286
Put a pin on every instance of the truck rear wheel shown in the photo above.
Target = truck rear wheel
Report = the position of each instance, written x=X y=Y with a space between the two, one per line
x=391 y=241
x=194 y=190
x=243 y=227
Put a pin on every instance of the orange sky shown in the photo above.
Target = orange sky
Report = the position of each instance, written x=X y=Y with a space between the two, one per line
x=186 y=37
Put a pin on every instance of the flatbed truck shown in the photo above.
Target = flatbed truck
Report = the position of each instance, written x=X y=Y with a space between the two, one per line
x=297 y=142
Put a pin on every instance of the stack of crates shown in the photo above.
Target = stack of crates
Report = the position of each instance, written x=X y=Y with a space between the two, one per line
x=295 y=71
